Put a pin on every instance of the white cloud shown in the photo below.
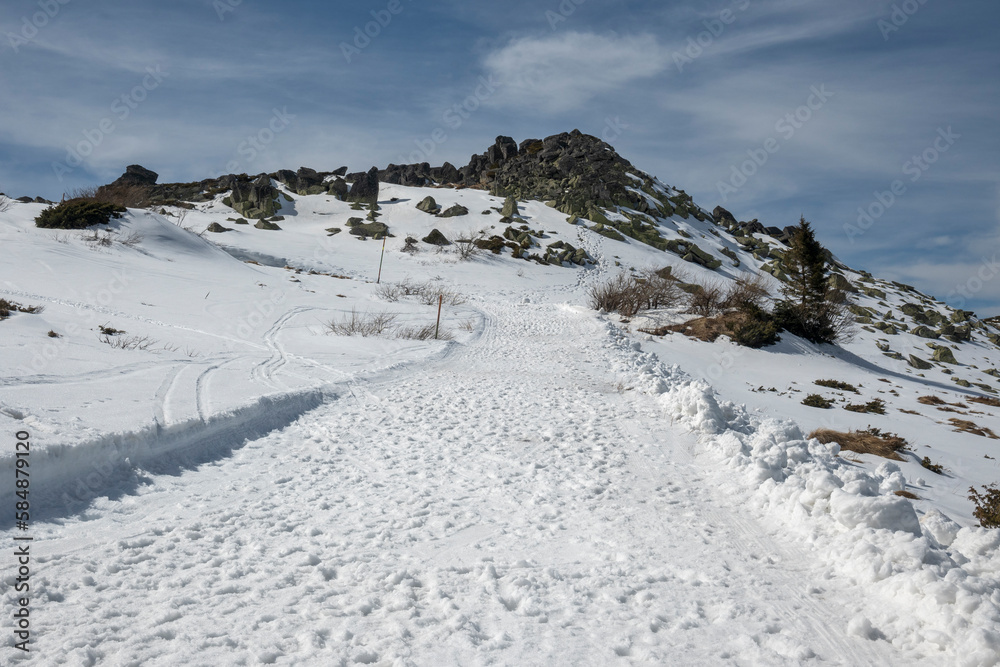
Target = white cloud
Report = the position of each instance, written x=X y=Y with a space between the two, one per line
x=562 y=72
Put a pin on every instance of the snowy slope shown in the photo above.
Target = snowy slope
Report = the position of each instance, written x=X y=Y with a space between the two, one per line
x=550 y=486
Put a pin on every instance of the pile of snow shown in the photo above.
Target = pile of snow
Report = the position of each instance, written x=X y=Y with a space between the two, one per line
x=929 y=583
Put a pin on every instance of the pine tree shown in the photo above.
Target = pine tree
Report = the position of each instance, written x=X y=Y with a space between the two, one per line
x=809 y=307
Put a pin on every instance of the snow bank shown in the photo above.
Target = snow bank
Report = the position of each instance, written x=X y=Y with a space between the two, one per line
x=928 y=583
x=70 y=476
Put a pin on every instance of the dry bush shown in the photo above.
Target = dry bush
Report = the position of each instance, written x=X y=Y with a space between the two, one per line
x=4 y=203
x=98 y=239
x=659 y=289
x=907 y=494
x=130 y=240
x=869 y=441
x=746 y=293
x=613 y=295
x=708 y=301
x=629 y=295
x=423 y=333
x=6 y=307
x=466 y=247
x=362 y=324
x=129 y=342
x=426 y=293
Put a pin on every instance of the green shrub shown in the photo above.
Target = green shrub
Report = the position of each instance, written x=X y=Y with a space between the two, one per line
x=78 y=214
x=836 y=384
x=987 y=505
x=875 y=406
x=817 y=401
x=757 y=330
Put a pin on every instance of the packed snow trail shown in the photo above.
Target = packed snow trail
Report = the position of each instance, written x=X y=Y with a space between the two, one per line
x=512 y=503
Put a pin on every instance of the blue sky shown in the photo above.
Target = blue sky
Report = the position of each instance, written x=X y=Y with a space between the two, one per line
x=772 y=108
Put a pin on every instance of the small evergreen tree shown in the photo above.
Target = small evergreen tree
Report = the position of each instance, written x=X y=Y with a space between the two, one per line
x=809 y=307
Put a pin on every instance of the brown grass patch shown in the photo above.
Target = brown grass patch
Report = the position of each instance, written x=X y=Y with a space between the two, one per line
x=869 y=441
x=986 y=400
x=907 y=494
x=909 y=412
x=931 y=400
x=965 y=426
x=705 y=329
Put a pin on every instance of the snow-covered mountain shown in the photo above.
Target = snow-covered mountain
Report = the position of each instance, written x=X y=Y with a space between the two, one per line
x=216 y=461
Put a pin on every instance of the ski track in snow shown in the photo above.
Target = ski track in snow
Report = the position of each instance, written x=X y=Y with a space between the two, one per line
x=503 y=504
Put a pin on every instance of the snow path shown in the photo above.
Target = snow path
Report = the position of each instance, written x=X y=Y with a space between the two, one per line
x=507 y=504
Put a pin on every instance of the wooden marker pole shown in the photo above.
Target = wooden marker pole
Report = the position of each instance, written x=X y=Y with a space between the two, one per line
x=438 y=327
x=379 y=279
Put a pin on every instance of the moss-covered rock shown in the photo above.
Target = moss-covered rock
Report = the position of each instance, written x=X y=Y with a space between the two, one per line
x=944 y=355
x=436 y=238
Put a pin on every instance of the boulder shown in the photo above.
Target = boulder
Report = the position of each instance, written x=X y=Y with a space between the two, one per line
x=436 y=238
x=254 y=200
x=137 y=175
x=509 y=207
x=217 y=228
x=372 y=229
x=428 y=205
x=839 y=282
x=264 y=224
x=364 y=190
x=455 y=211
x=338 y=188
x=924 y=332
x=944 y=355
x=723 y=217
x=918 y=363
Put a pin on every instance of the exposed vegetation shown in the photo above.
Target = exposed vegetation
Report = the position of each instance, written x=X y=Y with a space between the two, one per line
x=933 y=467
x=8 y=307
x=811 y=307
x=836 y=384
x=966 y=426
x=426 y=293
x=817 y=401
x=987 y=505
x=875 y=406
x=78 y=214
x=869 y=441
